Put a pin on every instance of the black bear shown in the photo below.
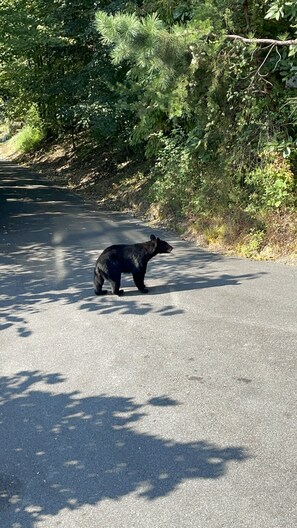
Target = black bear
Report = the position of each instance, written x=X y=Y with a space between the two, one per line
x=124 y=258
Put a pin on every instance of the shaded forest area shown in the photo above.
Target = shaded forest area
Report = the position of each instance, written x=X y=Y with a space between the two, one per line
x=185 y=111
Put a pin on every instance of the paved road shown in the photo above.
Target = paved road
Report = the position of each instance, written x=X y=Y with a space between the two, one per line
x=173 y=409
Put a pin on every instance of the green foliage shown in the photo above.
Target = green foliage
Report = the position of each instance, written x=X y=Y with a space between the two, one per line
x=272 y=184
x=51 y=58
x=208 y=123
x=216 y=117
x=172 y=174
x=146 y=43
x=31 y=134
x=28 y=139
x=282 y=9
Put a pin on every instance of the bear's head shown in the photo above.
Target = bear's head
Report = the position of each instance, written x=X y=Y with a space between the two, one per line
x=161 y=245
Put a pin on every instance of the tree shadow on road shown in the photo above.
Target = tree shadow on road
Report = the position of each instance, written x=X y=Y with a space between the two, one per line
x=51 y=239
x=63 y=450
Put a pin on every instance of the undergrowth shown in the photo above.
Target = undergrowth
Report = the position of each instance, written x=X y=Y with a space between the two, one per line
x=129 y=185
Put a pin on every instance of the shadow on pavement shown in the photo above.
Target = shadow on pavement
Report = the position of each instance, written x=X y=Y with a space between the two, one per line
x=50 y=240
x=61 y=450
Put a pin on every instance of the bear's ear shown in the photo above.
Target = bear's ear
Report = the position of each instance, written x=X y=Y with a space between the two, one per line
x=153 y=237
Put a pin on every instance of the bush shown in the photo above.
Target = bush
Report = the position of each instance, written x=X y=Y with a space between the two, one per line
x=252 y=244
x=28 y=138
x=173 y=186
x=271 y=184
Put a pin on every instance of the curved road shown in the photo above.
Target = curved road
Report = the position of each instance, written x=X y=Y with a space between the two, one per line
x=172 y=409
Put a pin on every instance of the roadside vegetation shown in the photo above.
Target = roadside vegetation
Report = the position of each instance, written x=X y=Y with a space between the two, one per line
x=185 y=112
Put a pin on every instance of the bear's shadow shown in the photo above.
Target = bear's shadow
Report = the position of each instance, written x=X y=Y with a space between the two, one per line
x=137 y=303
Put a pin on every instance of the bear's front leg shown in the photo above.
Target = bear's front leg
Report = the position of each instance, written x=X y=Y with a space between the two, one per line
x=139 y=282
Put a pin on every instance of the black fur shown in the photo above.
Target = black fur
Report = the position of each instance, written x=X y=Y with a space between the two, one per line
x=124 y=258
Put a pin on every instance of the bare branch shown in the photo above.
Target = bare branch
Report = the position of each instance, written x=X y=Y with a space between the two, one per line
x=260 y=67
x=291 y=42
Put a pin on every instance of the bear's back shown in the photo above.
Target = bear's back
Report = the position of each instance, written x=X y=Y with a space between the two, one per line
x=129 y=258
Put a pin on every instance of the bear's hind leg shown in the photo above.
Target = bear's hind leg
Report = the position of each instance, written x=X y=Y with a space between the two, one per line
x=115 y=287
x=115 y=282
x=98 y=282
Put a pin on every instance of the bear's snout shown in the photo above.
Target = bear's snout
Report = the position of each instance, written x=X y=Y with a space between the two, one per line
x=169 y=249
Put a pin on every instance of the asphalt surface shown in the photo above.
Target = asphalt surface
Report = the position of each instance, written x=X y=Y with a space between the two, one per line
x=171 y=409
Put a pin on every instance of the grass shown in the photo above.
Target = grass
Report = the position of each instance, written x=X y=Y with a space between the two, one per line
x=28 y=139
